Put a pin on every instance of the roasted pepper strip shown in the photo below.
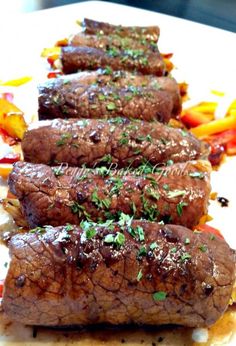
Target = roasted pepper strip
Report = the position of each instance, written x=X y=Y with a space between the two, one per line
x=215 y=126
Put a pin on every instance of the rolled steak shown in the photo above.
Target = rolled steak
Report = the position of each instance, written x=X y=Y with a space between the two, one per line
x=105 y=42
x=89 y=58
x=139 y=272
x=62 y=97
x=57 y=195
x=93 y=27
x=118 y=141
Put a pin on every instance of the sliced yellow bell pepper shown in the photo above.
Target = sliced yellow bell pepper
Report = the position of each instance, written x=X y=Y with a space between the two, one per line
x=5 y=170
x=215 y=126
x=47 y=52
x=17 y=82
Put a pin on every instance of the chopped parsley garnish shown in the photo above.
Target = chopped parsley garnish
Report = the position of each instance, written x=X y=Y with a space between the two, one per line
x=61 y=141
x=106 y=158
x=152 y=181
x=159 y=296
x=90 y=233
x=112 y=52
x=117 y=185
x=101 y=97
x=111 y=106
x=39 y=230
x=198 y=175
x=125 y=220
x=186 y=241
x=139 y=231
x=154 y=194
x=118 y=239
x=176 y=193
x=79 y=209
x=103 y=171
x=109 y=238
x=140 y=275
x=203 y=248
x=185 y=256
x=68 y=227
x=153 y=245
x=124 y=139
x=212 y=237
x=166 y=187
x=169 y=163
x=58 y=171
x=173 y=250
x=142 y=251
x=133 y=208
x=107 y=70
x=100 y=203
x=180 y=206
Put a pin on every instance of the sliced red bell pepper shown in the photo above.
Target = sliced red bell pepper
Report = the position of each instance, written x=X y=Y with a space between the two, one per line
x=191 y=118
x=6 y=138
x=209 y=229
x=54 y=74
x=231 y=147
x=10 y=158
x=1 y=287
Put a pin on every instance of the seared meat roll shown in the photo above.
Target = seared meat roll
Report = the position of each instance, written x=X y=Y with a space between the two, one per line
x=119 y=141
x=62 y=97
x=88 y=58
x=57 y=195
x=113 y=40
x=139 y=272
x=150 y=33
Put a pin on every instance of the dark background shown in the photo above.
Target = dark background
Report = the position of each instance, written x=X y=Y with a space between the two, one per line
x=218 y=13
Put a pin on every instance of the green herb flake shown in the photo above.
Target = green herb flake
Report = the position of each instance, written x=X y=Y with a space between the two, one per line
x=166 y=187
x=111 y=106
x=58 y=171
x=90 y=233
x=180 y=206
x=63 y=138
x=106 y=158
x=203 y=248
x=159 y=296
x=198 y=175
x=109 y=238
x=102 y=171
x=107 y=70
x=212 y=237
x=142 y=251
x=140 y=232
x=119 y=239
x=101 y=97
x=153 y=245
x=125 y=220
x=169 y=163
x=133 y=208
x=140 y=275
x=186 y=241
x=173 y=250
x=185 y=256
x=154 y=194
x=176 y=193
x=68 y=227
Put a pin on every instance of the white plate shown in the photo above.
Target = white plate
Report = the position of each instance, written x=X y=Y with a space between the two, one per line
x=206 y=59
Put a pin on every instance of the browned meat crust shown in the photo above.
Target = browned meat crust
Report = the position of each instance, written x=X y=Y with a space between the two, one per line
x=118 y=141
x=61 y=96
x=147 y=274
x=88 y=58
x=150 y=33
x=114 y=40
x=82 y=101
x=57 y=195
